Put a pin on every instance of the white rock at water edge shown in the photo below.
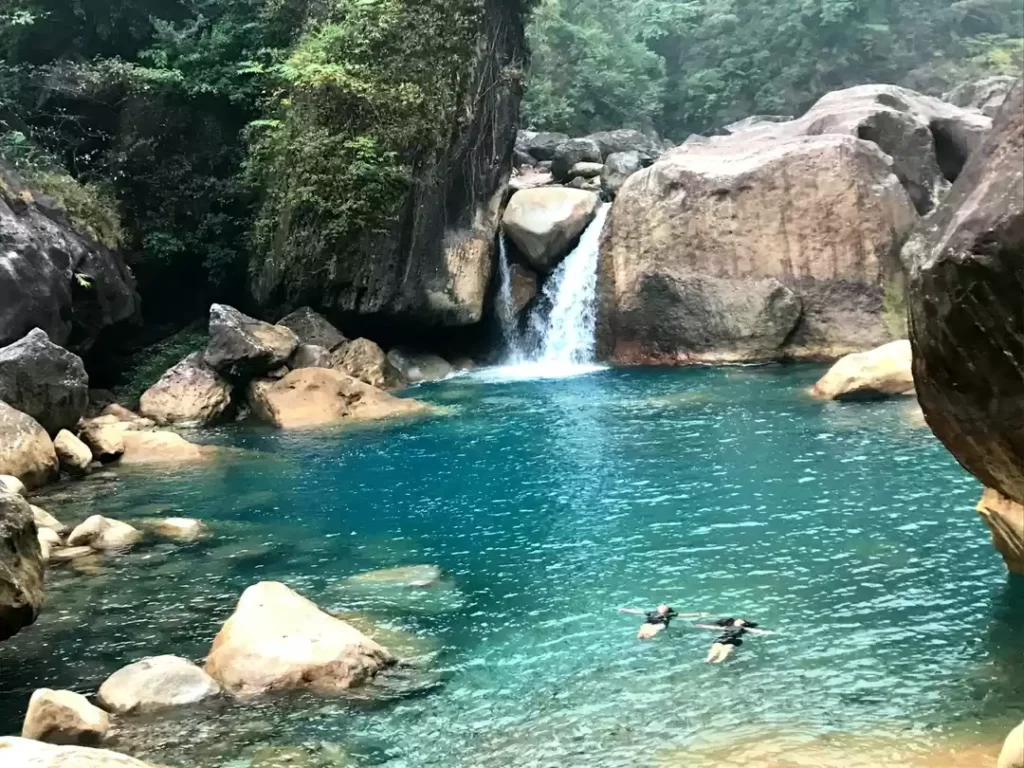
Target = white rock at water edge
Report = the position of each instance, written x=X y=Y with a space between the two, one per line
x=63 y=717
x=157 y=682
x=102 y=533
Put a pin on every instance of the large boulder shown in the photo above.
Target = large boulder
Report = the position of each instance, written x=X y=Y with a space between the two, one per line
x=313 y=328
x=278 y=640
x=754 y=248
x=242 y=347
x=73 y=455
x=1012 y=753
x=64 y=717
x=104 y=436
x=102 y=533
x=366 y=361
x=45 y=381
x=987 y=94
x=26 y=451
x=56 y=277
x=540 y=146
x=21 y=566
x=966 y=280
x=28 y=753
x=626 y=140
x=190 y=392
x=877 y=373
x=156 y=682
x=545 y=222
x=321 y=397
x=618 y=167
x=310 y=356
x=418 y=367
x=569 y=153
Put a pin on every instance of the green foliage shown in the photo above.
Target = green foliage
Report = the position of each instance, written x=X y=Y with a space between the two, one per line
x=147 y=365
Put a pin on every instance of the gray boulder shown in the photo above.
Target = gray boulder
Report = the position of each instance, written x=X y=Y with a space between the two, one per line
x=188 y=393
x=56 y=277
x=242 y=347
x=21 y=566
x=154 y=683
x=626 y=140
x=45 y=381
x=987 y=94
x=618 y=167
x=416 y=367
x=313 y=328
x=309 y=356
x=541 y=146
x=571 y=152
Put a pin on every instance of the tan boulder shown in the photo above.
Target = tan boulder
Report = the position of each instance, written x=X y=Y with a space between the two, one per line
x=366 y=361
x=881 y=372
x=64 y=717
x=11 y=484
x=162 y=447
x=157 y=682
x=29 y=753
x=119 y=412
x=102 y=533
x=181 y=528
x=319 y=397
x=545 y=222
x=277 y=640
x=188 y=393
x=26 y=451
x=1005 y=519
x=44 y=519
x=73 y=455
x=103 y=436
x=1012 y=753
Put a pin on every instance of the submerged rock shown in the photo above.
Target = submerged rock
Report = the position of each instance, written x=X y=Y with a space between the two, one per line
x=313 y=328
x=25 y=449
x=156 y=683
x=21 y=566
x=320 y=397
x=965 y=286
x=102 y=533
x=188 y=393
x=420 y=589
x=880 y=372
x=545 y=222
x=45 y=381
x=242 y=347
x=276 y=640
x=73 y=455
x=162 y=447
x=418 y=367
x=181 y=528
x=406 y=576
x=28 y=753
x=63 y=717
x=367 y=362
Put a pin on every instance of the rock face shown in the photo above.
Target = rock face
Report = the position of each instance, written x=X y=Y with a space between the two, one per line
x=102 y=533
x=313 y=328
x=418 y=367
x=54 y=277
x=45 y=381
x=754 y=248
x=242 y=347
x=278 y=640
x=156 y=683
x=64 y=717
x=73 y=455
x=17 y=753
x=25 y=449
x=966 y=324
x=321 y=397
x=367 y=362
x=21 y=566
x=545 y=222
x=878 y=373
x=987 y=94
x=188 y=393
x=1005 y=519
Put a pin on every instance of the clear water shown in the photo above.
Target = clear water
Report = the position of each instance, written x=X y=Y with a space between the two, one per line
x=846 y=528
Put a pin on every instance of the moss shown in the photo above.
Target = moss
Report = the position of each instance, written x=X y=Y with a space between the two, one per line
x=894 y=306
x=89 y=207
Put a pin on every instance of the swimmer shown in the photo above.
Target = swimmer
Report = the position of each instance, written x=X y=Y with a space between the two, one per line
x=729 y=640
x=658 y=619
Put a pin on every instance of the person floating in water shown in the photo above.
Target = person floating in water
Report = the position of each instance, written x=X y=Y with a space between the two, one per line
x=729 y=640
x=658 y=619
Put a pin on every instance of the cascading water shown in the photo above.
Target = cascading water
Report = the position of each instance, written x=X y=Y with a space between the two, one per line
x=564 y=322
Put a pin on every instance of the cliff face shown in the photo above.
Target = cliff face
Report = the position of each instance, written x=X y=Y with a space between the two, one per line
x=434 y=265
x=966 y=294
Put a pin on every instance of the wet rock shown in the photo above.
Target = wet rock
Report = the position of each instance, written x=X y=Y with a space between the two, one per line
x=25 y=449
x=1012 y=753
x=181 y=528
x=102 y=533
x=571 y=152
x=104 y=437
x=320 y=397
x=242 y=347
x=44 y=381
x=16 y=752
x=878 y=373
x=964 y=293
x=73 y=455
x=309 y=356
x=44 y=519
x=405 y=576
x=313 y=328
x=1005 y=519
x=67 y=554
x=63 y=717
x=417 y=367
x=21 y=566
x=276 y=640
x=617 y=168
x=419 y=589
x=11 y=484
x=367 y=362
x=162 y=447
x=524 y=285
x=154 y=683
x=544 y=223
x=188 y=393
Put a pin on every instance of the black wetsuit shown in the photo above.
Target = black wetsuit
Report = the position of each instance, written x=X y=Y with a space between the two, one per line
x=653 y=617
x=732 y=633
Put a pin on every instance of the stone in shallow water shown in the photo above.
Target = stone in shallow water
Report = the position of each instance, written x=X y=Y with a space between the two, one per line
x=64 y=717
x=28 y=753
x=66 y=554
x=877 y=373
x=181 y=528
x=156 y=683
x=407 y=576
x=73 y=455
x=102 y=533
x=422 y=589
x=44 y=519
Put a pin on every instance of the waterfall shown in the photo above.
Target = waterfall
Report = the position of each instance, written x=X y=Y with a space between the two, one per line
x=506 y=307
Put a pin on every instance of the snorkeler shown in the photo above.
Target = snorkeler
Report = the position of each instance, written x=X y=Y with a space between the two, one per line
x=658 y=619
x=729 y=640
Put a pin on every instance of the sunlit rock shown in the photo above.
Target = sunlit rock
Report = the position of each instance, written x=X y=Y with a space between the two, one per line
x=63 y=717
x=156 y=683
x=881 y=372
x=102 y=533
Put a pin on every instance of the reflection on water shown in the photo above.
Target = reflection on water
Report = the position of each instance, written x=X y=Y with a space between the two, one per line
x=548 y=504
